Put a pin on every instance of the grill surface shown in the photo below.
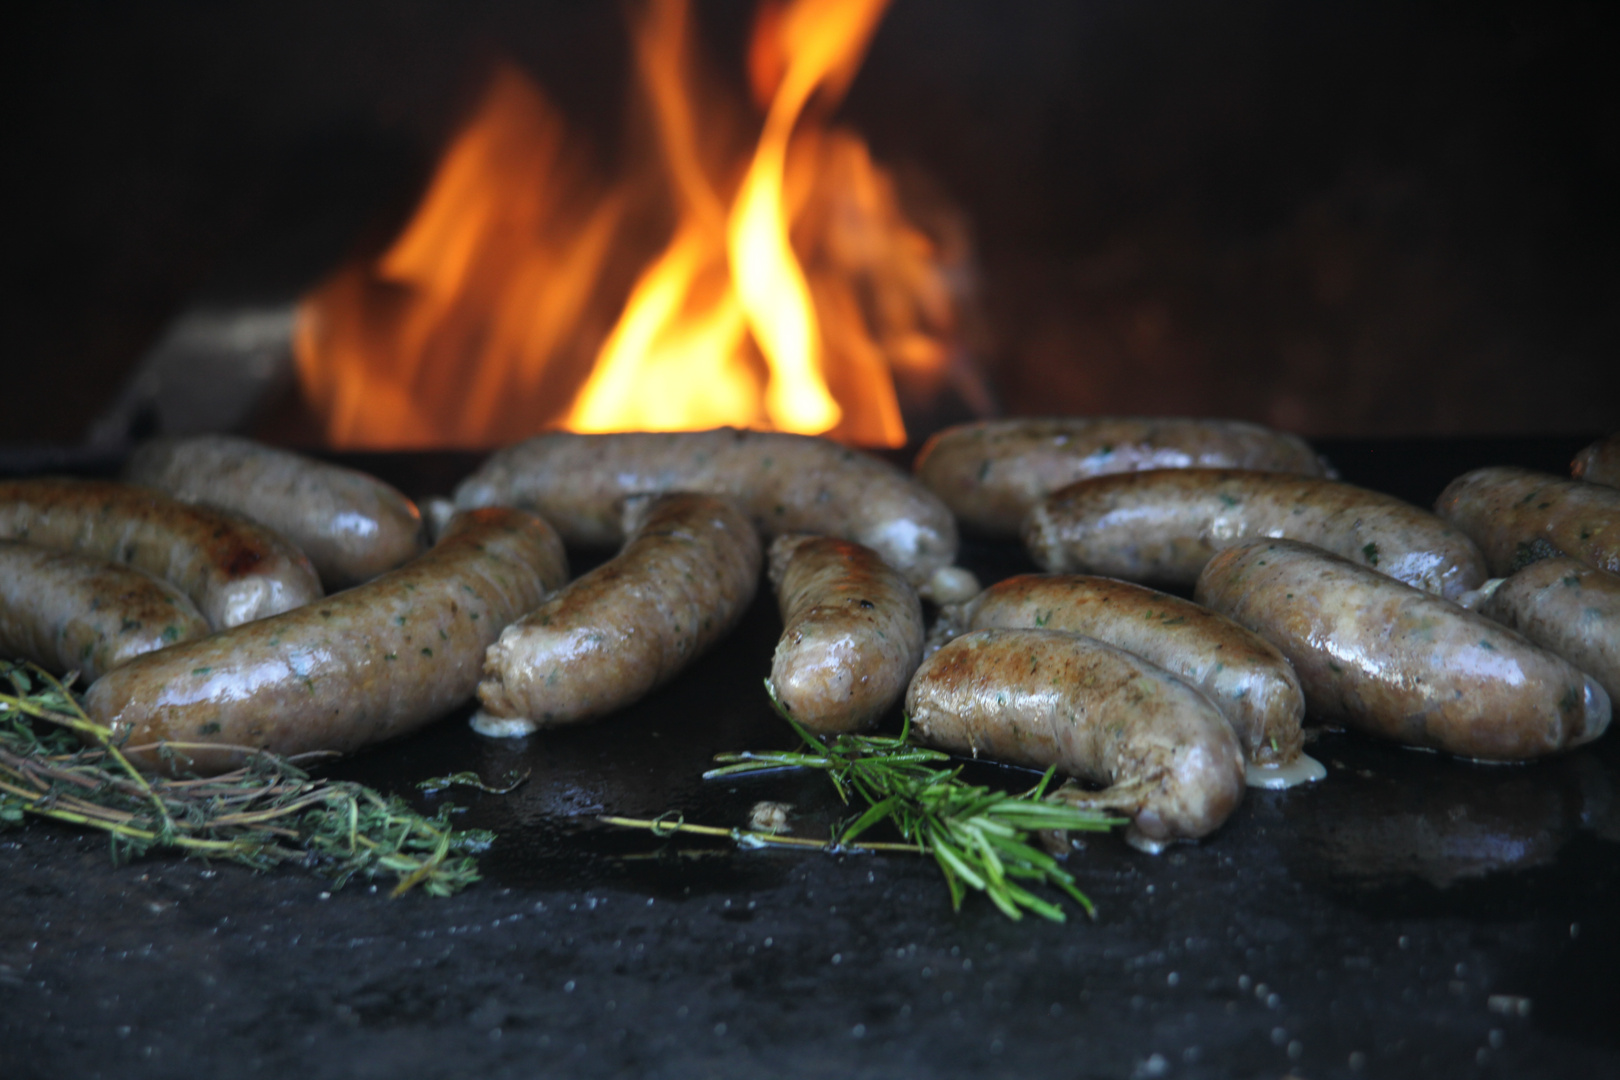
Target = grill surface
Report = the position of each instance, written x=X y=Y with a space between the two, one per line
x=1411 y=915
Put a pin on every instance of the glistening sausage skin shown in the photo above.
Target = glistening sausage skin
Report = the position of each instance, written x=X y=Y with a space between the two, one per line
x=1161 y=527
x=1567 y=607
x=852 y=632
x=1599 y=463
x=1043 y=697
x=352 y=526
x=785 y=483
x=1517 y=516
x=233 y=570
x=1390 y=660
x=72 y=612
x=991 y=473
x=361 y=666
x=684 y=578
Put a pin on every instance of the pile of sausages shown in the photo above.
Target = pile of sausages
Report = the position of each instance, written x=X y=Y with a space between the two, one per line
x=191 y=597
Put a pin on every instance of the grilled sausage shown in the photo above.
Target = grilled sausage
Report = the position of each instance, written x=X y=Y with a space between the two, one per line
x=992 y=473
x=233 y=570
x=1568 y=608
x=684 y=578
x=352 y=526
x=786 y=483
x=361 y=666
x=1599 y=463
x=1517 y=516
x=1396 y=662
x=71 y=612
x=1161 y=527
x=1244 y=675
x=1045 y=697
x=852 y=632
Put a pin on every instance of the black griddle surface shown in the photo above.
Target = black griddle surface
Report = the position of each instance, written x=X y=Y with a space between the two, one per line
x=1412 y=915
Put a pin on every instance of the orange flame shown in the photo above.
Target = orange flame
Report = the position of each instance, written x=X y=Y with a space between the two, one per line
x=790 y=290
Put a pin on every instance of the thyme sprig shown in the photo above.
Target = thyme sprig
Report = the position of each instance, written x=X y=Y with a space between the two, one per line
x=980 y=837
x=267 y=813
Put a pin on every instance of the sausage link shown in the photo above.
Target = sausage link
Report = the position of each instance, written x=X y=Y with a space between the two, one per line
x=233 y=570
x=684 y=578
x=1161 y=527
x=71 y=612
x=361 y=666
x=852 y=632
x=1242 y=673
x=786 y=483
x=1396 y=662
x=1517 y=516
x=352 y=526
x=1599 y=463
x=1568 y=608
x=992 y=473
x=1046 y=697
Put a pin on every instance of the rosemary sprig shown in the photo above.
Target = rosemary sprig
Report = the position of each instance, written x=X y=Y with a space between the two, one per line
x=265 y=814
x=979 y=836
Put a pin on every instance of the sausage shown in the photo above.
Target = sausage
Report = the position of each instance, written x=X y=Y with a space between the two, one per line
x=684 y=578
x=1243 y=674
x=992 y=473
x=233 y=570
x=1047 y=697
x=1393 y=661
x=785 y=483
x=1517 y=516
x=852 y=632
x=1568 y=608
x=71 y=612
x=1599 y=463
x=352 y=526
x=1161 y=527
x=361 y=666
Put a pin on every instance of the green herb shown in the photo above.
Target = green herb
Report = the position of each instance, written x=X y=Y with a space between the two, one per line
x=979 y=837
x=514 y=780
x=56 y=762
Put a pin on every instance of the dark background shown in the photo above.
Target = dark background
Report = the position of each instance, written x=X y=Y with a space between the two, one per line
x=1362 y=219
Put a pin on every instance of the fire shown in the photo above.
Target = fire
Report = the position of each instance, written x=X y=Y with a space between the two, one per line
x=789 y=292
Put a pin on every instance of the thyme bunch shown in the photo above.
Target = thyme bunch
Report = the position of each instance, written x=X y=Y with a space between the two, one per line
x=267 y=813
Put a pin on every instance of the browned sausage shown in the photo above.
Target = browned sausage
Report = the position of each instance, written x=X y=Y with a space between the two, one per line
x=1047 y=697
x=1517 y=516
x=685 y=577
x=1244 y=675
x=1567 y=607
x=1393 y=661
x=992 y=473
x=1161 y=527
x=361 y=666
x=72 y=612
x=352 y=526
x=233 y=570
x=852 y=632
x=785 y=483
x=1599 y=463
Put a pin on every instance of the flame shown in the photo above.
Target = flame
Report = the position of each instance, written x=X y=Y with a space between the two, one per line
x=790 y=290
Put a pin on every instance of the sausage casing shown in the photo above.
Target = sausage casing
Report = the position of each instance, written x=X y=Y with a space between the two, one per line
x=1161 y=527
x=991 y=473
x=785 y=483
x=1243 y=674
x=363 y=665
x=233 y=570
x=1517 y=516
x=852 y=632
x=352 y=526
x=1046 y=697
x=684 y=578
x=72 y=612
x=1397 y=662
x=1599 y=463
x=1569 y=608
